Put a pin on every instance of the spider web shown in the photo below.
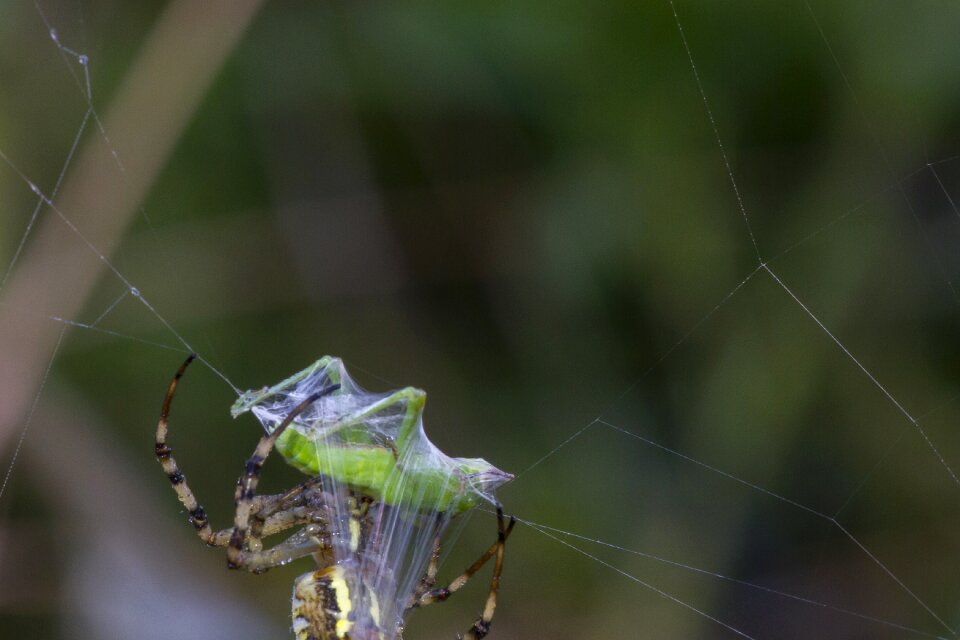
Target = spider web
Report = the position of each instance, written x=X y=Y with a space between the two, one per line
x=761 y=444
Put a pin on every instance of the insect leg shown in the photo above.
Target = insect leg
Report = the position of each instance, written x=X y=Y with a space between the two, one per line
x=430 y=577
x=415 y=400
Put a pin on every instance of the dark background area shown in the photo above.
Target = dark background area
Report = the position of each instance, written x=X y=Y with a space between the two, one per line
x=523 y=209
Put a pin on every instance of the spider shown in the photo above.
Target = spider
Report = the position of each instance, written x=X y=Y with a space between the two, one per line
x=339 y=512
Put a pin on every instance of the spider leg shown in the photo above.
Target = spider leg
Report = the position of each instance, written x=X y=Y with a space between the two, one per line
x=267 y=515
x=198 y=517
x=481 y=626
x=273 y=514
x=237 y=557
x=278 y=513
x=312 y=539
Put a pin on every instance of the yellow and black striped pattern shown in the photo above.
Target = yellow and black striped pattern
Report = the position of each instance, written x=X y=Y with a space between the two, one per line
x=323 y=607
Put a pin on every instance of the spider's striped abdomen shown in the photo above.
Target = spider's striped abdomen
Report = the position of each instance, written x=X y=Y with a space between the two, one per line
x=323 y=606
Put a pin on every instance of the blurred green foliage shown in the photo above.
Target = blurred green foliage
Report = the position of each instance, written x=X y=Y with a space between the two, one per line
x=523 y=209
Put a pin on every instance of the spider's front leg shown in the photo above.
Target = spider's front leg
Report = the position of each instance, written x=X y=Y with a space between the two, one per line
x=198 y=517
x=272 y=513
x=237 y=556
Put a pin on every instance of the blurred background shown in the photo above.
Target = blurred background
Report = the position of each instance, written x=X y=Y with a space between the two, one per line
x=523 y=209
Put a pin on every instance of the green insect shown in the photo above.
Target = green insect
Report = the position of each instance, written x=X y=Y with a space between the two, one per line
x=357 y=446
x=371 y=514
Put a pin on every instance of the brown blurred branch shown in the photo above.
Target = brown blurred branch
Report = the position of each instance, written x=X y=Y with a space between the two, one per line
x=163 y=88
